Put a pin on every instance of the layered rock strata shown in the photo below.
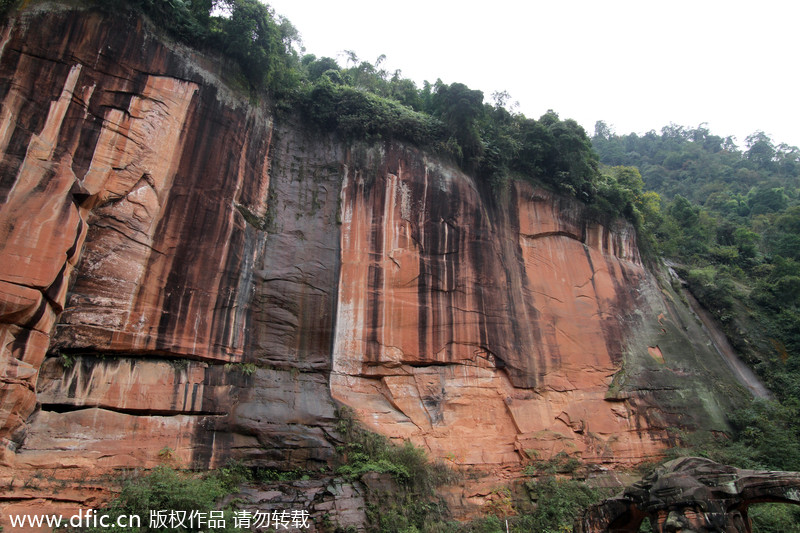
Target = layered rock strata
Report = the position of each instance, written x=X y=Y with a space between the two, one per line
x=185 y=274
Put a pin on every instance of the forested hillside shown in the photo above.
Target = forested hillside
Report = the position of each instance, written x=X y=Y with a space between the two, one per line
x=728 y=216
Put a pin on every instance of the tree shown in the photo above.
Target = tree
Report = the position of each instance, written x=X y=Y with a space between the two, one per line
x=558 y=152
x=684 y=212
x=787 y=159
x=746 y=242
x=252 y=38
x=767 y=200
x=760 y=150
x=405 y=91
x=319 y=66
x=602 y=131
x=572 y=158
x=783 y=237
x=460 y=107
x=201 y=10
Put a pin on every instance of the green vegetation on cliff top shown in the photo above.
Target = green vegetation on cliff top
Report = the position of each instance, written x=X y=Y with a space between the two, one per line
x=363 y=101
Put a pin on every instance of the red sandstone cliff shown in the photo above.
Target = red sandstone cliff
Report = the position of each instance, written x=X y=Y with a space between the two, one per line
x=181 y=269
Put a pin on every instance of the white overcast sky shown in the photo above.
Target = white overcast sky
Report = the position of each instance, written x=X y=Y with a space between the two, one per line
x=637 y=65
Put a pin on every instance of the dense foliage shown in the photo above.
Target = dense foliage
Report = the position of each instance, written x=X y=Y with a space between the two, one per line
x=167 y=488
x=248 y=31
x=485 y=138
x=362 y=100
x=410 y=502
x=729 y=219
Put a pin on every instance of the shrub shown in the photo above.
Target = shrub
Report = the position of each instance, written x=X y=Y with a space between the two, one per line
x=775 y=518
x=558 y=503
x=561 y=463
x=359 y=114
x=415 y=503
x=165 y=488
x=364 y=451
x=714 y=289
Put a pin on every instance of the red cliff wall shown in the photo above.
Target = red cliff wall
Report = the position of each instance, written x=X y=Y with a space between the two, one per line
x=135 y=251
x=183 y=273
x=482 y=334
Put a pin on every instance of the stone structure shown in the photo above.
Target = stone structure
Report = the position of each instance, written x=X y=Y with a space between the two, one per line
x=691 y=494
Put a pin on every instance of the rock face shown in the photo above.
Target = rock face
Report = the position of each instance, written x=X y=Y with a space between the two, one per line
x=135 y=190
x=478 y=333
x=185 y=274
x=691 y=494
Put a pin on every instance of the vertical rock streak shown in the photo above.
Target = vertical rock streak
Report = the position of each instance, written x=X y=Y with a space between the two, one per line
x=454 y=337
x=180 y=270
x=148 y=188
